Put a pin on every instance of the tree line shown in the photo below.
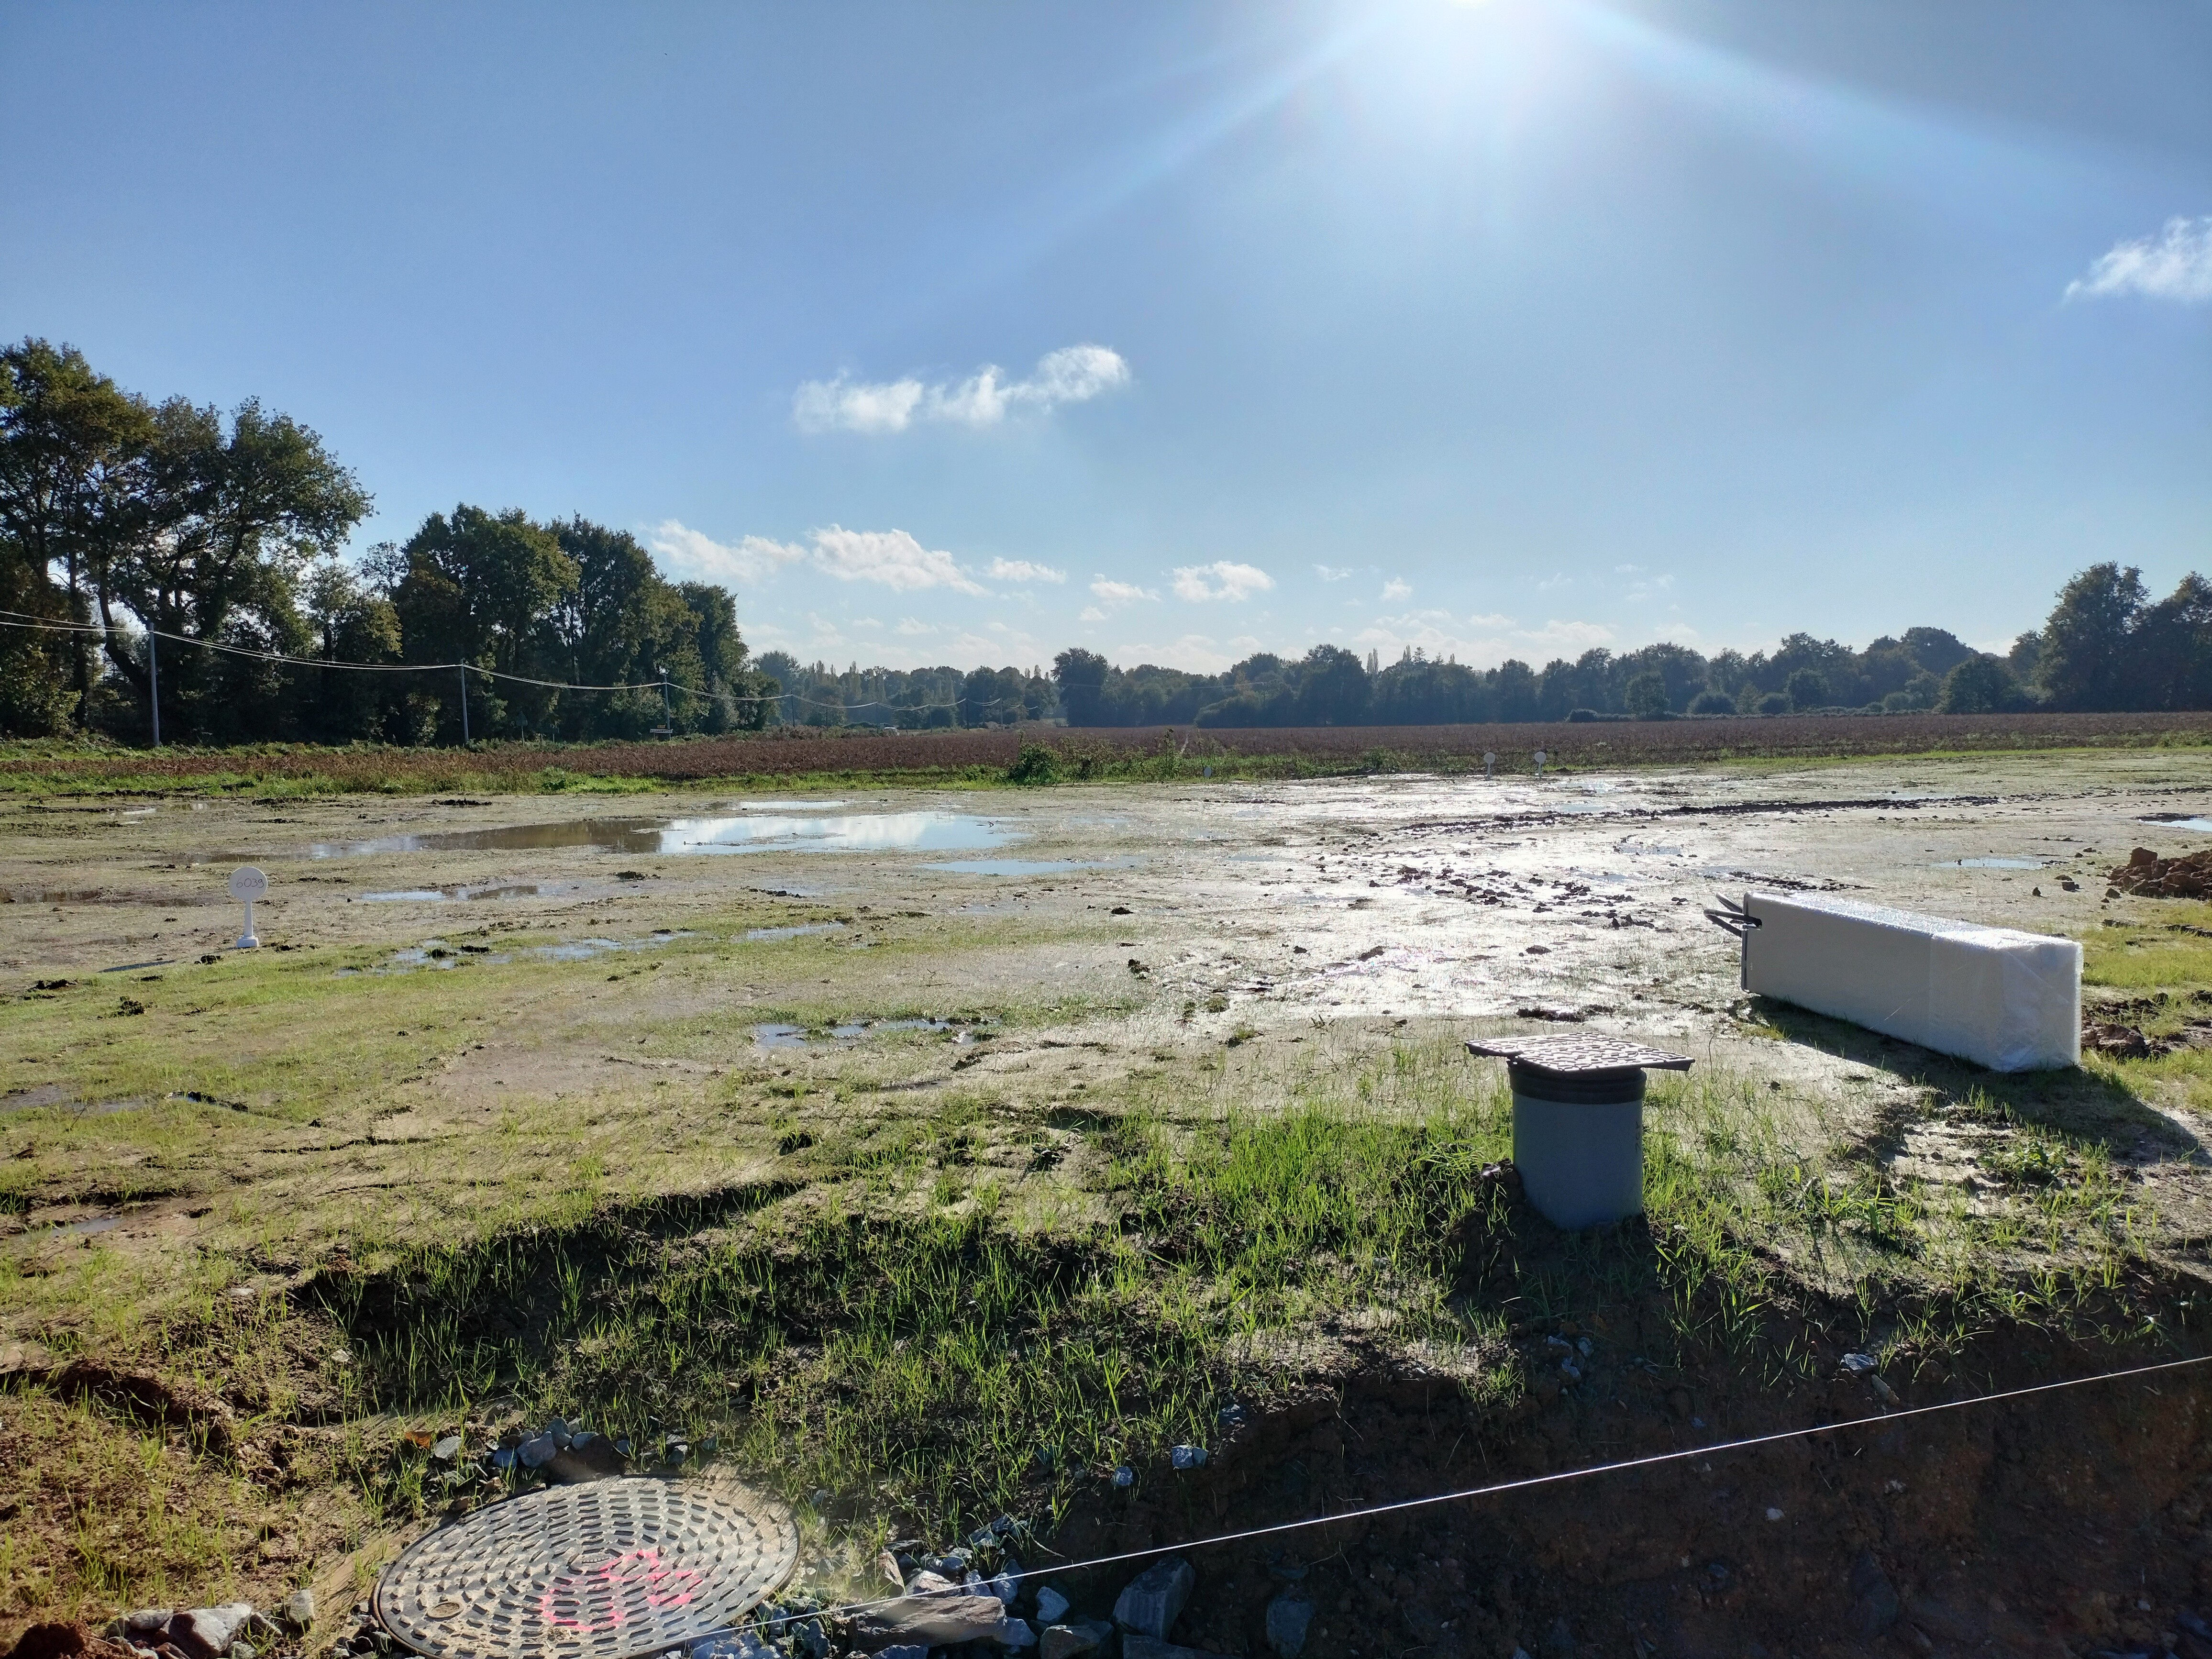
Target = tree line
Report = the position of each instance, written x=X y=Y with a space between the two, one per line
x=2107 y=646
x=122 y=519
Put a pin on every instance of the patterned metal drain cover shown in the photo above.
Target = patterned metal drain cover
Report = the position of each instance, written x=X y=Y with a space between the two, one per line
x=604 y=1571
x=1582 y=1052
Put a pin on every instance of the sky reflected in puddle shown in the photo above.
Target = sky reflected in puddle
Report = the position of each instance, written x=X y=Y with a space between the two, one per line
x=2160 y=821
x=848 y=832
x=1990 y=863
x=436 y=953
x=796 y=931
x=460 y=892
x=797 y=1036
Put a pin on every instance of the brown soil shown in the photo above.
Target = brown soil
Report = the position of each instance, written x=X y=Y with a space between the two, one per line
x=791 y=751
x=66 y=1641
x=2062 y=1524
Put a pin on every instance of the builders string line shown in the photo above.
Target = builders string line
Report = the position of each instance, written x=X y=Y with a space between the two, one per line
x=37 y=624
x=1558 y=1478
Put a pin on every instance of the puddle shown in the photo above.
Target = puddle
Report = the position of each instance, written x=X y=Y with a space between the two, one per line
x=2174 y=821
x=435 y=953
x=787 y=805
x=1013 y=867
x=797 y=931
x=920 y=832
x=99 y=1223
x=795 y=1037
x=458 y=892
x=25 y=1100
x=1990 y=863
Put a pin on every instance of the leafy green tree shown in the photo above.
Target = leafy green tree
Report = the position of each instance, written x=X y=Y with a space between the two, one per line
x=2171 y=648
x=488 y=590
x=1332 y=687
x=1645 y=695
x=1807 y=687
x=73 y=448
x=1979 y=685
x=229 y=517
x=1081 y=676
x=738 y=694
x=2086 y=657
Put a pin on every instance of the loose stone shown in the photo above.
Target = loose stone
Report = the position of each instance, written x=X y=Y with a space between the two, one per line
x=1155 y=1597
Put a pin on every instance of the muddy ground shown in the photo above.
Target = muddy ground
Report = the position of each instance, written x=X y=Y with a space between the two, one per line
x=461 y=1007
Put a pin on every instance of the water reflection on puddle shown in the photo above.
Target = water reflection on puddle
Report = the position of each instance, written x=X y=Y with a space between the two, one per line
x=797 y=1036
x=99 y=1223
x=461 y=892
x=2162 y=821
x=1990 y=863
x=435 y=953
x=892 y=832
x=796 y=931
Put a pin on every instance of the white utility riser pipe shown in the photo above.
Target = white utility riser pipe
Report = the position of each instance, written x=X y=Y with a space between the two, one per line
x=2003 y=998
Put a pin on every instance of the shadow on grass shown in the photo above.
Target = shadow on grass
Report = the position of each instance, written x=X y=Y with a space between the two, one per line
x=2080 y=1105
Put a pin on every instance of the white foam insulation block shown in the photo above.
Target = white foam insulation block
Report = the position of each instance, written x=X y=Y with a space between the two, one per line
x=2006 y=1000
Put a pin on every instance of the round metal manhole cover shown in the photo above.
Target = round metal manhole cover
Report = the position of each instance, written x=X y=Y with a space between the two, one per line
x=604 y=1571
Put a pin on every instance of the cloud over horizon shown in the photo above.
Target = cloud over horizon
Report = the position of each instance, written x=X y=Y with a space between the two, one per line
x=2175 y=265
x=1224 y=578
x=1073 y=374
x=1115 y=592
x=892 y=558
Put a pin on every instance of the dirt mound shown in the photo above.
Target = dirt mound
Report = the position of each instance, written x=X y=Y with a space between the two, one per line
x=2148 y=876
x=2077 y=1516
x=66 y=1641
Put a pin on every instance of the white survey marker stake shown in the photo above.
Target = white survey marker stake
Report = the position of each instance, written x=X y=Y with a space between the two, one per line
x=247 y=884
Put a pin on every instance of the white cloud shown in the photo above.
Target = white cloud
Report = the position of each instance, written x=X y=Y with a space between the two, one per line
x=2175 y=265
x=689 y=556
x=1334 y=573
x=1073 y=374
x=911 y=627
x=1194 y=654
x=891 y=557
x=1090 y=613
x=1396 y=589
x=1115 y=592
x=1021 y=570
x=1222 y=579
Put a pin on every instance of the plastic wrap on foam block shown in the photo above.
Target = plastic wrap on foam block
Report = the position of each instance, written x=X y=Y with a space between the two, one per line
x=2006 y=1000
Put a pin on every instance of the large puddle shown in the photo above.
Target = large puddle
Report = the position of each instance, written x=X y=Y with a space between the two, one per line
x=797 y=1036
x=436 y=953
x=761 y=832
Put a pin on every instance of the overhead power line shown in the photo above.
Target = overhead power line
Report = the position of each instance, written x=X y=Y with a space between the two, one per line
x=24 y=620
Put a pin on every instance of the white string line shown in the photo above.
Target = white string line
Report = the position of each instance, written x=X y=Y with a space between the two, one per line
x=25 y=620
x=1647 y=1461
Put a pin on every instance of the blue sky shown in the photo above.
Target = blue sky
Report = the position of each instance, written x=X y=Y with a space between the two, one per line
x=961 y=333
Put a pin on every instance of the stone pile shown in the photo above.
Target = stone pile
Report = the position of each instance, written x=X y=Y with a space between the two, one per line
x=2148 y=876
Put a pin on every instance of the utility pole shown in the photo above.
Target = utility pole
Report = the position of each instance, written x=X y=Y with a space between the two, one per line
x=464 y=705
x=153 y=680
x=667 y=718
